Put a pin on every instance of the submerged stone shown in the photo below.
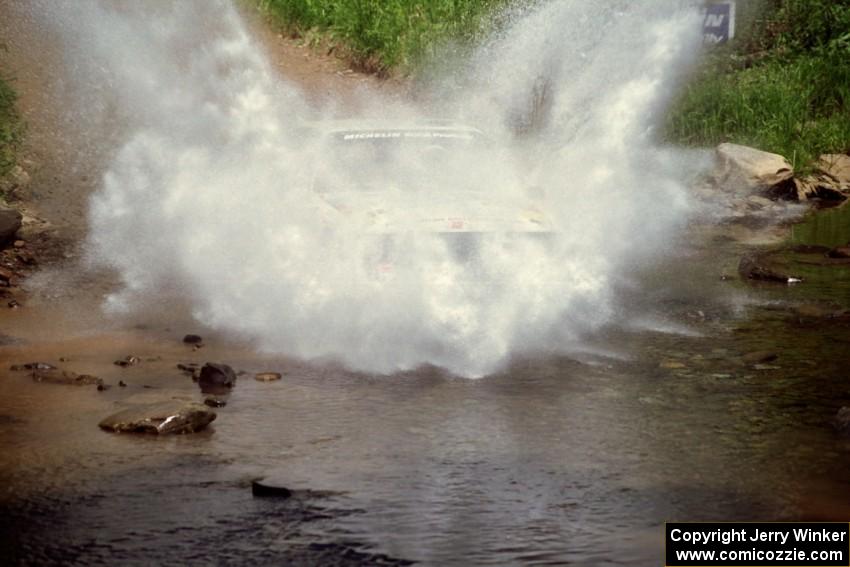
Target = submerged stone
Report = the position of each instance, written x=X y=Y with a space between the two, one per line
x=56 y=376
x=758 y=357
x=160 y=418
x=215 y=402
x=193 y=339
x=128 y=360
x=263 y=488
x=752 y=267
x=267 y=376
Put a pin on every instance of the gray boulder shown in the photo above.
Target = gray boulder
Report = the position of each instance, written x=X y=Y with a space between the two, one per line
x=160 y=418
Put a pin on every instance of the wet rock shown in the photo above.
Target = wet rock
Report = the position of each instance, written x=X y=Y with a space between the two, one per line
x=839 y=252
x=19 y=244
x=6 y=276
x=122 y=384
x=10 y=222
x=267 y=376
x=759 y=357
x=193 y=339
x=746 y=170
x=32 y=366
x=265 y=489
x=215 y=402
x=751 y=267
x=103 y=387
x=13 y=304
x=161 y=418
x=758 y=202
x=129 y=360
x=33 y=229
x=56 y=376
x=216 y=374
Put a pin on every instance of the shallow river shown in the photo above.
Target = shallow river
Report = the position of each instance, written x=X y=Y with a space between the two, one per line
x=555 y=460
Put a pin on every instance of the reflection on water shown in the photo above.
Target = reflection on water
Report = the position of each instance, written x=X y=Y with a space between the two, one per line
x=830 y=227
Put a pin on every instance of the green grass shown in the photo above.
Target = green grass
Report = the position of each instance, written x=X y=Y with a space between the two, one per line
x=784 y=87
x=385 y=35
x=11 y=127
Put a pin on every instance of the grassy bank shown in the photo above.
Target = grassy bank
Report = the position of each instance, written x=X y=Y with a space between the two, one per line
x=386 y=34
x=11 y=128
x=782 y=86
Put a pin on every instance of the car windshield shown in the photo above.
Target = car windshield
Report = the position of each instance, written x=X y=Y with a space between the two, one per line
x=384 y=160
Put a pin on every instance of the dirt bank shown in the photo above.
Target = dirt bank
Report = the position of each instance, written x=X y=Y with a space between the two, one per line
x=71 y=139
x=65 y=152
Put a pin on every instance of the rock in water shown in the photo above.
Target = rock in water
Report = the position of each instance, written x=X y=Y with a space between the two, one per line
x=266 y=489
x=746 y=170
x=10 y=222
x=193 y=339
x=267 y=376
x=759 y=357
x=215 y=402
x=160 y=418
x=752 y=267
x=215 y=374
x=840 y=252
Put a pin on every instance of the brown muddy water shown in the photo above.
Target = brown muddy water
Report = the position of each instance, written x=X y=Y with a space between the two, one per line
x=555 y=460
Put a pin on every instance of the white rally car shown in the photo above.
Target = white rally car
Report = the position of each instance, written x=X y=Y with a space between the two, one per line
x=434 y=178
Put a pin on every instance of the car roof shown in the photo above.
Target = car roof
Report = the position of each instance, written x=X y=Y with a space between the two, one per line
x=354 y=125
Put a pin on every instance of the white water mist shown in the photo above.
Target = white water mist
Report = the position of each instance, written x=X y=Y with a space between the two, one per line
x=211 y=195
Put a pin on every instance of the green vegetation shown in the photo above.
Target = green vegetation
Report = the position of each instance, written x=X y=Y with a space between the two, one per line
x=783 y=85
x=11 y=128
x=386 y=34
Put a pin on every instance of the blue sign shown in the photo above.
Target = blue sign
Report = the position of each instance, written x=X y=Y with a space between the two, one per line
x=718 y=25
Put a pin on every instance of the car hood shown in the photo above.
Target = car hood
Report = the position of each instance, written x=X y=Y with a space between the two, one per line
x=391 y=212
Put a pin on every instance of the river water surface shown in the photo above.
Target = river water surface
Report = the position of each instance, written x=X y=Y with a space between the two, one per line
x=553 y=460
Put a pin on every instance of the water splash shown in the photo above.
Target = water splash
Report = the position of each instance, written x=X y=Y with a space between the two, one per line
x=213 y=196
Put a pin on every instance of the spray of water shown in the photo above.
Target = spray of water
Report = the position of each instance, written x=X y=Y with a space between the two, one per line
x=455 y=247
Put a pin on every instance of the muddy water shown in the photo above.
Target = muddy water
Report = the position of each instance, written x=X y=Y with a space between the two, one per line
x=574 y=459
